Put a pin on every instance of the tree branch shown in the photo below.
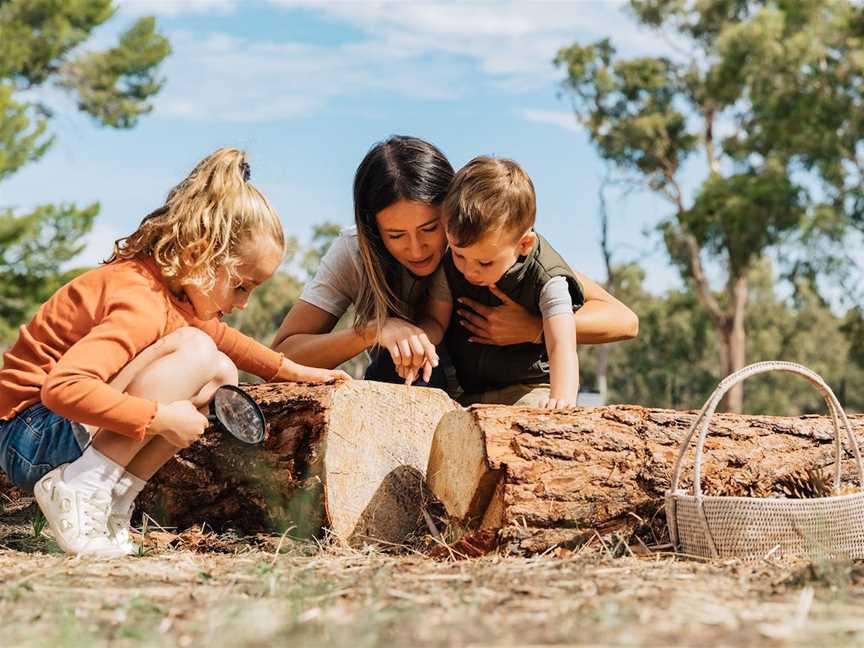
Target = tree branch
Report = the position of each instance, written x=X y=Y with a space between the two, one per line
x=703 y=288
x=711 y=154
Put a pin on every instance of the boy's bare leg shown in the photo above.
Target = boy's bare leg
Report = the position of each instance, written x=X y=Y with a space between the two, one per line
x=184 y=365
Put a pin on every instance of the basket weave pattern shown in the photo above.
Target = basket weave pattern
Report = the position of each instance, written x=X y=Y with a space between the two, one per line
x=752 y=528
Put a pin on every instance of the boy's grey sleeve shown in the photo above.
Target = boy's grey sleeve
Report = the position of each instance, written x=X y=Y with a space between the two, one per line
x=555 y=298
x=336 y=284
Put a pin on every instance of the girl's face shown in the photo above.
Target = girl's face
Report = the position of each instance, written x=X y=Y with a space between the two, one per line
x=414 y=234
x=260 y=257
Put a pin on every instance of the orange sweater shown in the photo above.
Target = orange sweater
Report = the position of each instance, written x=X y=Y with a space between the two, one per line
x=93 y=327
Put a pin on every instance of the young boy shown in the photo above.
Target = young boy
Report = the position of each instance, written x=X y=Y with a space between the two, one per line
x=489 y=217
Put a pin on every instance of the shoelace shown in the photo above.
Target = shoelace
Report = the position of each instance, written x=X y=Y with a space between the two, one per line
x=94 y=515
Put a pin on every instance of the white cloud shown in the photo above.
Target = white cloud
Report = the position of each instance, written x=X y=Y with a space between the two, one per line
x=171 y=8
x=218 y=77
x=414 y=50
x=562 y=119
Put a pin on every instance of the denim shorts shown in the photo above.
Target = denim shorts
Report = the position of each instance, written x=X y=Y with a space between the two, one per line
x=35 y=442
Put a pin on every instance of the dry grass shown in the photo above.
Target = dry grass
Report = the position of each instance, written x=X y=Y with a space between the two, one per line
x=203 y=589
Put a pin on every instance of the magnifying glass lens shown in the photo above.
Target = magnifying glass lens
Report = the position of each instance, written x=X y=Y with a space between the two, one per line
x=239 y=414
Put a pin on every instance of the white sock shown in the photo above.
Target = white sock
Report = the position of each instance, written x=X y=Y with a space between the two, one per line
x=125 y=491
x=93 y=471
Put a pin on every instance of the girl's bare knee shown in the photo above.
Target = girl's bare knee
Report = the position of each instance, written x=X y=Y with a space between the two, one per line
x=225 y=371
x=193 y=341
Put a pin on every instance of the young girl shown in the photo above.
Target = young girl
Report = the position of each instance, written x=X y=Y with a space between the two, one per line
x=131 y=351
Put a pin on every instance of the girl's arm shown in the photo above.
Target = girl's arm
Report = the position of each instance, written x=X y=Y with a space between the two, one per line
x=560 y=335
x=252 y=356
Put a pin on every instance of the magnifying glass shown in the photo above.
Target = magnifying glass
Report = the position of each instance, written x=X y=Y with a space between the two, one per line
x=234 y=410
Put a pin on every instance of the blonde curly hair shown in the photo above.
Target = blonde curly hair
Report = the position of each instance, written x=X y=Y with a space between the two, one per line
x=203 y=221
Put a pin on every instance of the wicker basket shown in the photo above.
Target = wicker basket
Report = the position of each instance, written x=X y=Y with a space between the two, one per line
x=753 y=528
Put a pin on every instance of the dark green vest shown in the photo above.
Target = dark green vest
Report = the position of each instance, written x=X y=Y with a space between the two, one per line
x=482 y=367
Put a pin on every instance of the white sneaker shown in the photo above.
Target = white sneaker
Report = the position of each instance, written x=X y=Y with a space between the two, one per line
x=118 y=529
x=78 y=519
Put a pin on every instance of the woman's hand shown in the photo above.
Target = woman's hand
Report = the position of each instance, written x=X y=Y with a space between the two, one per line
x=509 y=323
x=409 y=346
x=412 y=374
x=293 y=372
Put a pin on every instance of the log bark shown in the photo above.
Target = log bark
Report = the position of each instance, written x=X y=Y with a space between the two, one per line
x=563 y=478
x=349 y=457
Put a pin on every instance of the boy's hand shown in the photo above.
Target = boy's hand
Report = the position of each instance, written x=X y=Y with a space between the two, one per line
x=179 y=423
x=293 y=372
x=509 y=323
x=558 y=403
x=408 y=345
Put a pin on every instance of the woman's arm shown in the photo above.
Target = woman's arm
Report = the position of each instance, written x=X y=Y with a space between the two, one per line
x=601 y=319
x=306 y=336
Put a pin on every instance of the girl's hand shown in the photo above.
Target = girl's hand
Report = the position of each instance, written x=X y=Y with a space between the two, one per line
x=509 y=323
x=408 y=345
x=179 y=423
x=293 y=372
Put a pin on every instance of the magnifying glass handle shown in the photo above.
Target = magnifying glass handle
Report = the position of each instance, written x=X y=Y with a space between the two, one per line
x=212 y=418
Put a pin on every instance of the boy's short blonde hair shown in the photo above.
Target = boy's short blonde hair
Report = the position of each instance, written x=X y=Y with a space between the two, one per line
x=203 y=221
x=487 y=194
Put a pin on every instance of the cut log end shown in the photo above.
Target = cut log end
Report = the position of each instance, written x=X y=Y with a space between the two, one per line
x=350 y=456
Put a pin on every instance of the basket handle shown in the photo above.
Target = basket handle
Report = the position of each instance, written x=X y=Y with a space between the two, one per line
x=704 y=418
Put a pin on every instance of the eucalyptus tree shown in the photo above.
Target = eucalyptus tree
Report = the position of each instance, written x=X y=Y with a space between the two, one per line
x=764 y=100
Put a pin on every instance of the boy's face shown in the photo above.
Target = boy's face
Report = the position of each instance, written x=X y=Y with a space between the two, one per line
x=484 y=262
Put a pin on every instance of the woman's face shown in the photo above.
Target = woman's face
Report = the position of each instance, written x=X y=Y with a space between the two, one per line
x=413 y=233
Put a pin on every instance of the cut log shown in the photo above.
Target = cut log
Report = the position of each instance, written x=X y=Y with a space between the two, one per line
x=350 y=457
x=554 y=478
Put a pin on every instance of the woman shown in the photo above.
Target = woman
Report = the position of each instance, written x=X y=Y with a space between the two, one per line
x=389 y=268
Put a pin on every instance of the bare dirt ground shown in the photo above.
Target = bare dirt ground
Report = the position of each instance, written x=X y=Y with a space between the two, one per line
x=203 y=589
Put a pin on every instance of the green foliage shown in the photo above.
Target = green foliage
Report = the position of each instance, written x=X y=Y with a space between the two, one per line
x=42 y=43
x=741 y=215
x=31 y=249
x=673 y=363
x=770 y=92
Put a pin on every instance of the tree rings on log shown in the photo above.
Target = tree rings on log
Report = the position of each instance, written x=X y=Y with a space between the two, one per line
x=349 y=456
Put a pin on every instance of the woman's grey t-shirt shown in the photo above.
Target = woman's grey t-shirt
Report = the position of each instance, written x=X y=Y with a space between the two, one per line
x=337 y=283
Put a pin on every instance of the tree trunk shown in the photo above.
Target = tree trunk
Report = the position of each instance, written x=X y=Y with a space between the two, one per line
x=562 y=478
x=350 y=457
x=734 y=341
x=602 y=373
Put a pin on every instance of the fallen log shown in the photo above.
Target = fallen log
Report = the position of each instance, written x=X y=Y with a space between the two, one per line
x=350 y=457
x=543 y=478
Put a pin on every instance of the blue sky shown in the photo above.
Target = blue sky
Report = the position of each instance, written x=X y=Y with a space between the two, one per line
x=307 y=87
